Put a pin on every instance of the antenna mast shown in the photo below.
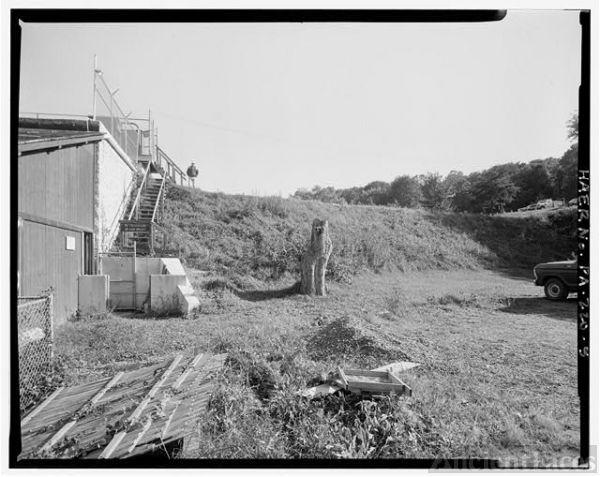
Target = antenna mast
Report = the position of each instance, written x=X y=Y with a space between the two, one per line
x=95 y=73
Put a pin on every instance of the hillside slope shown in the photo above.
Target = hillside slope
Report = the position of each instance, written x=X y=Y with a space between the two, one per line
x=263 y=237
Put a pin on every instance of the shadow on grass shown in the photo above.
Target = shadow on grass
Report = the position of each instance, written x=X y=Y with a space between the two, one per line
x=517 y=273
x=559 y=310
x=150 y=316
x=516 y=244
x=262 y=295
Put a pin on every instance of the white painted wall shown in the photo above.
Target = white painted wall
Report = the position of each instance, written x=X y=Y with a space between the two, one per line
x=115 y=182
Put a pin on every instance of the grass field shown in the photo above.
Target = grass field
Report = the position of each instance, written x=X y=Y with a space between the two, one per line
x=497 y=374
x=453 y=292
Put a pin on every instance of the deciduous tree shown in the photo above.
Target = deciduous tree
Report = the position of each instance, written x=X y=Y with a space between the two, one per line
x=405 y=191
x=433 y=191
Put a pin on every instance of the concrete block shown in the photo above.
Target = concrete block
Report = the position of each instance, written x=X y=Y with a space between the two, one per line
x=173 y=266
x=145 y=266
x=148 y=266
x=164 y=293
x=187 y=299
x=93 y=294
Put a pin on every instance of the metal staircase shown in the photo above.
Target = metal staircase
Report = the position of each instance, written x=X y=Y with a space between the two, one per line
x=141 y=230
x=150 y=200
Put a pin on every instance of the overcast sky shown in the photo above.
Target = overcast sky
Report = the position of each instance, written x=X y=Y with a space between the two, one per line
x=270 y=108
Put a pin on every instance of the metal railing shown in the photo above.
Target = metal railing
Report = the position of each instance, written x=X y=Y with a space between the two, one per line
x=130 y=136
x=125 y=132
x=164 y=243
x=137 y=137
x=169 y=168
x=159 y=199
x=136 y=204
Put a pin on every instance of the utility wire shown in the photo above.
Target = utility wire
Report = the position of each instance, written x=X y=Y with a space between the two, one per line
x=304 y=145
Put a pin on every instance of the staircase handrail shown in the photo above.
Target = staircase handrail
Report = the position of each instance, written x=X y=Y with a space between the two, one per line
x=164 y=155
x=139 y=194
x=158 y=198
x=122 y=208
x=160 y=228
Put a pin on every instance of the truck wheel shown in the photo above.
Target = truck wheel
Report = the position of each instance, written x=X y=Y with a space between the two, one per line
x=555 y=289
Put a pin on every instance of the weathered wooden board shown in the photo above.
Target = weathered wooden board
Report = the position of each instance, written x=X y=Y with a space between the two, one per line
x=383 y=374
x=122 y=416
x=321 y=390
x=398 y=367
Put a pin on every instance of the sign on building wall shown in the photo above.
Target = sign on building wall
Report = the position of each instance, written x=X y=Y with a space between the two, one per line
x=70 y=243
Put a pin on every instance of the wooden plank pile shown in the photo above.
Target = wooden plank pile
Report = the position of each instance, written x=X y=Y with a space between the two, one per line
x=130 y=414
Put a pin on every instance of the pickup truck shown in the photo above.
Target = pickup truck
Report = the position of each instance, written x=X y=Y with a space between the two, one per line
x=558 y=278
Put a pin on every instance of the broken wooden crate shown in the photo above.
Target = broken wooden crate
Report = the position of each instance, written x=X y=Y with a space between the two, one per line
x=325 y=389
x=373 y=382
x=130 y=414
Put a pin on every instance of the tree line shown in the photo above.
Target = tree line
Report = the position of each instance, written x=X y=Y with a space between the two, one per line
x=501 y=188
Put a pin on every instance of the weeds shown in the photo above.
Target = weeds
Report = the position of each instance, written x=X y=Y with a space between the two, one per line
x=264 y=237
x=483 y=359
x=470 y=300
x=395 y=304
x=491 y=383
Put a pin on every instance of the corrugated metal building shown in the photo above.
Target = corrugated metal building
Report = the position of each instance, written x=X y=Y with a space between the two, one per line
x=62 y=199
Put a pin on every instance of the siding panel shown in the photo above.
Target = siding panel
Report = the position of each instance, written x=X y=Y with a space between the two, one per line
x=47 y=263
x=54 y=186
x=32 y=184
x=86 y=178
x=58 y=185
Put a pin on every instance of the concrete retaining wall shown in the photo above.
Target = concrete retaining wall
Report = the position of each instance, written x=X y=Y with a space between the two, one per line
x=173 y=266
x=164 y=293
x=145 y=267
x=172 y=292
x=161 y=285
x=93 y=294
x=187 y=299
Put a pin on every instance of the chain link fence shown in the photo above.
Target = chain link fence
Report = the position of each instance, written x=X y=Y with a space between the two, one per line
x=35 y=338
x=134 y=135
